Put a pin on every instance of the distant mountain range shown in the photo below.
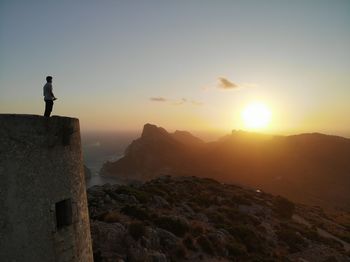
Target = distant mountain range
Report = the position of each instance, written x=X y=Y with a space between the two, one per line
x=309 y=168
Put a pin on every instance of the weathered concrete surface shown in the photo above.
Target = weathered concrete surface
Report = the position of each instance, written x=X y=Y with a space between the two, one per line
x=40 y=165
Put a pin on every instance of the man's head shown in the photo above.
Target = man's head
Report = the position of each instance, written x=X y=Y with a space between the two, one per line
x=49 y=79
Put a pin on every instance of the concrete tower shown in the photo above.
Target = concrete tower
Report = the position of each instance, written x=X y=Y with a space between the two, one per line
x=43 y=207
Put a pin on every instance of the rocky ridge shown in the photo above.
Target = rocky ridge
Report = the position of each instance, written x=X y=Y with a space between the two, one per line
x=200 y=219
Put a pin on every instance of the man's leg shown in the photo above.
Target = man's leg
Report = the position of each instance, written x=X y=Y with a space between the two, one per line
x=48 y=108
x=46 y=114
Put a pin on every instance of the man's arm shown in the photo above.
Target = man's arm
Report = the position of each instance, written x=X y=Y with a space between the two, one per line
x=54 y=98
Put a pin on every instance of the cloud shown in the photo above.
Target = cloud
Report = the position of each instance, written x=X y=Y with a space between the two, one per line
x=187 y=101
x=180 y=102
x=224 y=83
x=176 y=102
x=158 y=99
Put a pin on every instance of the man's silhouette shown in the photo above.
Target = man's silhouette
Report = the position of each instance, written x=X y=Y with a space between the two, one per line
x=49 y=97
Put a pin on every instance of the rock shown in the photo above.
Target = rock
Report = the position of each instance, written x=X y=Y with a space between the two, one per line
x=172 y=230
x=153 y=241
x=219 y=240
x=124 y=198
x=157 y=257
x=159 y=202
x=167 y=239
x=137 y=254
x=140 y=254
x=108 y=188
x=107 y=199
x=187 y=211
x=108 y=237
x=96 y=191
x=202 y=217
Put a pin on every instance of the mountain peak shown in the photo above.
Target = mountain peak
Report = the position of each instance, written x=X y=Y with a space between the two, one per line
x=150 y=130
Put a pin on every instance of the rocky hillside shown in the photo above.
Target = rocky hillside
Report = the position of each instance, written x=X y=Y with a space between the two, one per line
x=199 y=219
x=156 y=152
x=307 y=168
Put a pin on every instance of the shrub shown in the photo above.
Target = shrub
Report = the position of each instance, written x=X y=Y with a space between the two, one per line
x=204 y=199
x=331 y=259
x=241 y=231
x=189 y=243
x=218 y=243
x=216 y=217
x=206 y=245
x=155 y=190
x=175 y=225
x=236 y=249
x=283 y=207
x=137 y=230
x=345 y=236
x=170 y=199
x=207 y=180
x=135 y=212
x=241 y=200
x=291 y=238
x=141 y=196
x=332 y=243
x=111 y=217
x=195 y=207
x=197 y=228
x=180 y=251
x=247 y=236
x=311 y=234
x=233 y=214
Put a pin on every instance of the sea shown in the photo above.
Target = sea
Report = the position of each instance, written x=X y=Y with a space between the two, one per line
x=100 y=147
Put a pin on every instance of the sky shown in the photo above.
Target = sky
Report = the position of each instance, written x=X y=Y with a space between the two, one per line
x=188 y=65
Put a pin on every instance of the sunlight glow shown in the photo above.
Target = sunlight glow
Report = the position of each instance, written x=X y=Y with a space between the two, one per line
x=256 y=116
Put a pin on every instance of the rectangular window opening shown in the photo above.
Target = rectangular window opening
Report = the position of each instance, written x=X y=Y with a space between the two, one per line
x=63 y=213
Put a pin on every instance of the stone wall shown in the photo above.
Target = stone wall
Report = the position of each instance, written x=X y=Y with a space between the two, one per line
x=41 y=165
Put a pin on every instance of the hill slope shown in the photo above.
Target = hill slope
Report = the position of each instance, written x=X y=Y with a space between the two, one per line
x=308 y=168
x=197 y=219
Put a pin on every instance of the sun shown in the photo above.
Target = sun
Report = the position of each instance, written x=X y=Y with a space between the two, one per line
x=256 y=116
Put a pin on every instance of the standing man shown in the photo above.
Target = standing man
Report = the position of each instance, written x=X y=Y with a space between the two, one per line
x=49 y=97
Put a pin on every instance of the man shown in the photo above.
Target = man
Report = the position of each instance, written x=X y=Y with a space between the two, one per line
x=48 y=96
